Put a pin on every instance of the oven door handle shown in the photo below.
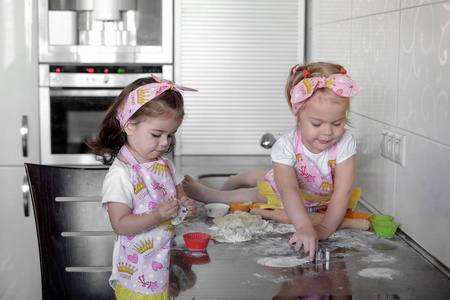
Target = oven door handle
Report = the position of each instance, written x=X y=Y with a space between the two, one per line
x=85 y=92
x=24 y=133
x=26 y=197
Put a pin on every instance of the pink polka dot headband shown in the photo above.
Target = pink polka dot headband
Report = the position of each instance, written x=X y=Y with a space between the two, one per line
x=137 y=98
x=340 y=84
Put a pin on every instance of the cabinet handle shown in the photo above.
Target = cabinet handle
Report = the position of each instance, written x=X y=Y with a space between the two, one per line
x=24 y=133
x=26 y=197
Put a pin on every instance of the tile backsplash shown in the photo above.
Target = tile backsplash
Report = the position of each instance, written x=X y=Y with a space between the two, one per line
x=398 y=51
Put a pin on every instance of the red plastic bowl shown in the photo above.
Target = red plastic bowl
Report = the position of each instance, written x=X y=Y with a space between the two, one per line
x=196 y=241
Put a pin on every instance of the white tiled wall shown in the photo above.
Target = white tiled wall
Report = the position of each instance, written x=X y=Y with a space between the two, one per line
x=399 y=51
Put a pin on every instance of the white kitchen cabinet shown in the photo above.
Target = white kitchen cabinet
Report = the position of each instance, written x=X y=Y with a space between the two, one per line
x=20 y=276
x=19 y=95
x=238 y=55
x=19 y=255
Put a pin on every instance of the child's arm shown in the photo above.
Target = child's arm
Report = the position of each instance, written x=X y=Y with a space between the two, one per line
x=287 y=184
x=343 y=186
x=124 y=222
x=190 y=204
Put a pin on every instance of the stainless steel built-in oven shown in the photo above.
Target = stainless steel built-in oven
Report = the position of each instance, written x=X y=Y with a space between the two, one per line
x=73 y=100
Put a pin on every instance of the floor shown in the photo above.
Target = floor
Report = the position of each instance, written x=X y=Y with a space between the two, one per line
x=362 y=265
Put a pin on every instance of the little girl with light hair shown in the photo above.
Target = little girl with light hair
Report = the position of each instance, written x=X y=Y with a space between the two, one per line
x=313 y=164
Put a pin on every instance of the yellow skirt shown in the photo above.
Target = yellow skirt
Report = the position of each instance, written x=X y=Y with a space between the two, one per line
x=123 y=293
x=273 y=202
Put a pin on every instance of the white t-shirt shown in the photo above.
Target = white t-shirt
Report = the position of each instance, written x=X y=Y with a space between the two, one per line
x=283 y=151
x=118 y=187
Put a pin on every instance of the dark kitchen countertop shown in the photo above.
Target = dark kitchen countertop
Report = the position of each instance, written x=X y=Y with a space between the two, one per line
x=362 y=266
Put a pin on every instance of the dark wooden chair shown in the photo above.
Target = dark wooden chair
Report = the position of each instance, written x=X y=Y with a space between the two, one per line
x=74 y=233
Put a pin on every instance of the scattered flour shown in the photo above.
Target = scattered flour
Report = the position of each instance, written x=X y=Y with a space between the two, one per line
x=272 y=246
x=349 y=238
x=283 y=228
x=378 y=258
x=277 y=279
x=379 y=273
x=283 y=261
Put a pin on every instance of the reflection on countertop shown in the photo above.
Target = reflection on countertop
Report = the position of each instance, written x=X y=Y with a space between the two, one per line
x=362 y=265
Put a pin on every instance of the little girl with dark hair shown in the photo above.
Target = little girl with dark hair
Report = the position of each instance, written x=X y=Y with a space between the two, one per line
x=142 y=187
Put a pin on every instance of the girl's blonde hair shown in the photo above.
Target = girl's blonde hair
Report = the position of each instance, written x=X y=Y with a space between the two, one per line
x=111 y=137
x=316 y=69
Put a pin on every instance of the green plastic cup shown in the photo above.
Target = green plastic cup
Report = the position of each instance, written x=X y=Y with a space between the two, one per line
x=385 y=228
x=380 y=217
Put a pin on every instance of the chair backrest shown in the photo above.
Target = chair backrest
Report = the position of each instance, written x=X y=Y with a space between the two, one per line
x=74 y=233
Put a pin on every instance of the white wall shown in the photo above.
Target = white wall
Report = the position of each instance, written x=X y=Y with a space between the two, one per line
x=398 y=51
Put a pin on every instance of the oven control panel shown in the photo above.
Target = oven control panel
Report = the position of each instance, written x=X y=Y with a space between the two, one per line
x=94 y=76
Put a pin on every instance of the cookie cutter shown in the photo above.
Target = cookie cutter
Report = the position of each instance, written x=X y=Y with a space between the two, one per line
x=322 y=259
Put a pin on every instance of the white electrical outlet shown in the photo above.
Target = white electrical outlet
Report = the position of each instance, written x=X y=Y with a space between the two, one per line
x=384 y=143
x=393 y=146
x=399 y=148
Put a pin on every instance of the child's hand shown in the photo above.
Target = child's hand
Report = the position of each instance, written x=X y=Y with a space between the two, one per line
x=190 y=204
x=165 y=211
x=306 y=237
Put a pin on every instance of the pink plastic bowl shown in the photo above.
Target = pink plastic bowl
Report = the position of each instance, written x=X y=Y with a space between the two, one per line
x=196 y=241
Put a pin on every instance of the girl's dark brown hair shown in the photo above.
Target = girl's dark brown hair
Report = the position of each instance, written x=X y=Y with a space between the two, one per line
x=111 y=137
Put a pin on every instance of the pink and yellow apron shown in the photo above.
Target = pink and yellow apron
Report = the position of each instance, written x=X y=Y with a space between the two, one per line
x=315 y=188
x=144 y=259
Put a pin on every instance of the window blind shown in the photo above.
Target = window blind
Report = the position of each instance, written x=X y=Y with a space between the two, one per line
x=238 y=55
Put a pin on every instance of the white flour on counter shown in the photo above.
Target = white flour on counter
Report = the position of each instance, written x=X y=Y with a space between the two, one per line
x=283 y=261
x=379 y=258
x=379 y=273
